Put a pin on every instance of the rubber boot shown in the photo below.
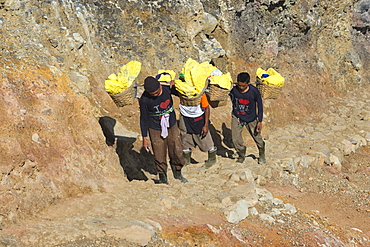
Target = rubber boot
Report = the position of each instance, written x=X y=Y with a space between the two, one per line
x=261 y=155
x=187 y=157
x=211 y=158
x=162 y=178
x=241 y=155
x=178 y=175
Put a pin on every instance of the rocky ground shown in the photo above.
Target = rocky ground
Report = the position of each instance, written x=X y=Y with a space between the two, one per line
x=313 y=191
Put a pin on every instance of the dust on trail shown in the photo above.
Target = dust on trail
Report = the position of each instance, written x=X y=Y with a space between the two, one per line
x=177 y=208
x=342 y=198
x=327 y=200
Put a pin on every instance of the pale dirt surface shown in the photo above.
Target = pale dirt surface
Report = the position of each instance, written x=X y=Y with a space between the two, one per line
x=333 y=208
x=335 y=202
x=342 y=198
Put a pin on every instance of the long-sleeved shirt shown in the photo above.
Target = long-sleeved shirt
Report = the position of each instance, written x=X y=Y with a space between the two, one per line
x=152 y=109
x=245 y=105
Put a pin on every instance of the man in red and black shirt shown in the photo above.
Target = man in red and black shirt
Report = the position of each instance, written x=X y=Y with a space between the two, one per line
x=247 y=111
x=194 y=127
x=157 y=116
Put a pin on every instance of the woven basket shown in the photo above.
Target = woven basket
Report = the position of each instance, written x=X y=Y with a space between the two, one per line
x=126 y=97
x=217 y=93
x=268 y=92
x=190 y=101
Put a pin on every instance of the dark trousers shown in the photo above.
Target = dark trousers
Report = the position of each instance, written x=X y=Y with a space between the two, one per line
x=171 y=144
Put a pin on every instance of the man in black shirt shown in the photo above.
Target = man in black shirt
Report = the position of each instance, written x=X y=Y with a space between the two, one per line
x=247 y=111
x=157 y=116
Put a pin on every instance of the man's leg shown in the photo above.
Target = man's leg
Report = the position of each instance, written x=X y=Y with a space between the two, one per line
x=174 y=146
x=258 y=140
x=187 y=141
x=206 y=145
x=236 y=134
x=159 y=146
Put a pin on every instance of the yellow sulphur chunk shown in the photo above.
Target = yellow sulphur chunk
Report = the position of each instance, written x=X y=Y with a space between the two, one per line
x=224 y=81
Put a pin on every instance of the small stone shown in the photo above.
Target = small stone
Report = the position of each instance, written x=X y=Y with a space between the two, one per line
x=266 y=217
x=289 y=208
x=253 y=211
x=237 y=212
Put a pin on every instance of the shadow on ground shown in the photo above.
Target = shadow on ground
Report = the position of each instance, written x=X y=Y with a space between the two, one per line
x=132 y=162
x=222 y=141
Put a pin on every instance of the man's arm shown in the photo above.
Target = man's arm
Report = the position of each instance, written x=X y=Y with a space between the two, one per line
x=173 y=89
x=260 y=112
x=259 y=127
x=205 y=128
x=146 y=144
x=144 y=124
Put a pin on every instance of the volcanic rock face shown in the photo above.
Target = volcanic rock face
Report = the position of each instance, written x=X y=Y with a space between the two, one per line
x=55 y=56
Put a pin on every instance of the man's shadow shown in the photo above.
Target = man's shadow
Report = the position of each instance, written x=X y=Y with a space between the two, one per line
x=228 y=141
x=132 y=162
x=222 y=140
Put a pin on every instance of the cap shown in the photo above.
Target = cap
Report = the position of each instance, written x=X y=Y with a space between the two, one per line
x=151 y=84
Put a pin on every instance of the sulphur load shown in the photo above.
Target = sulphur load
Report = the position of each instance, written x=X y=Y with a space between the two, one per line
x=270 y=77
x=121 y=87
x=195 y=77
x=219 y=87
x=165 y=77
x=269 y=83
x=223 y=81
x=125 y=78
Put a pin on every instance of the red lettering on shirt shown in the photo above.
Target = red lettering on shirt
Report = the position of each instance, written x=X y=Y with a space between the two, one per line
x=243 y=101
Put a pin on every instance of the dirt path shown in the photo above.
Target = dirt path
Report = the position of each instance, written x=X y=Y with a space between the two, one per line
x=345 y=200
x=301 y=197
x=186 y=221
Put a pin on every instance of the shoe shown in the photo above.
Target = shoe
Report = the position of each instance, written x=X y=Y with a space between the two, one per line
x=187 y=157
x=211 y=158
x=162 y=178
x=241 y=155
x=261 y=155
x=178 y=175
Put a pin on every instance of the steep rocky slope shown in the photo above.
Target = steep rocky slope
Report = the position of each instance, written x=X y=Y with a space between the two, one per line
x=55 y=56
